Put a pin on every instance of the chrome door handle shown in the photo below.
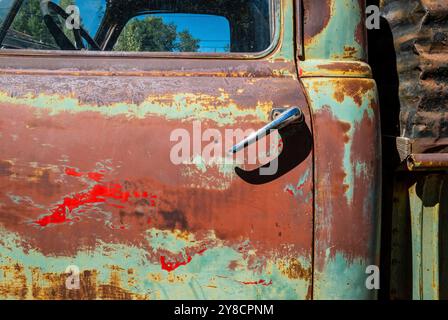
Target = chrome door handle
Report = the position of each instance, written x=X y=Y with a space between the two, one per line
x=289 y=116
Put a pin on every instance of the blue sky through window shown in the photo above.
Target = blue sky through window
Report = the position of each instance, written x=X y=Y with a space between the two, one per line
x=213 y=31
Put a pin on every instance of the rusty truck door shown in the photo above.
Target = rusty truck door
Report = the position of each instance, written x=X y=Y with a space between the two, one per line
x=87 y=183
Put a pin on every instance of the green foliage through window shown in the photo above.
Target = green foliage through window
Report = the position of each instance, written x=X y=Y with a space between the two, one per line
x=152 y=34
x=30 y=22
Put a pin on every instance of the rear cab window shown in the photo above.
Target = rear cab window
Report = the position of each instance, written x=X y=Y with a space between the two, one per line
x=191 y=26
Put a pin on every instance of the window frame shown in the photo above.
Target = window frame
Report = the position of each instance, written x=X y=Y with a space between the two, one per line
x=112 y=31
x=276 y=14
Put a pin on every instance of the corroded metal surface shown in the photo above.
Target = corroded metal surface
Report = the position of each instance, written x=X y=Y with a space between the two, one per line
x=420 y=30
x=80 y=173
x=335 y=30
x=428 y=161
x=86 y=180
x=347 y=148
x=334 y=68
x=86 y=177
x=347 y=168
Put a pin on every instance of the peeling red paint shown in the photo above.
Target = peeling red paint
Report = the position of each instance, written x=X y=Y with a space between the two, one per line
x=99 y=193
x=171 y=266
x=116 y=206
x=259 y=282
x=95 y=176
x=72 y=172
x=300 y=186
x=192 y=209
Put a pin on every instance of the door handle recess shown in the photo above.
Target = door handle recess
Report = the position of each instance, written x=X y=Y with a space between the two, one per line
x=280 y=120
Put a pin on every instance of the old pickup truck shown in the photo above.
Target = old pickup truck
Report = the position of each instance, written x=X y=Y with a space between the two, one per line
x=114 y=137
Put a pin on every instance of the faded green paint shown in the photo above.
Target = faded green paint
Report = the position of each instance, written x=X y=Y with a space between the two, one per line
x=199 y=168
x=351 y=102
x=181 y=106
x=343 y=279
x=416 y=210
x=339 y=89
x=297 y=189
x=425 y=217
x=321 y=93
x=207 y=276
x=337 y=40
x=286 y=51
x=430 y=237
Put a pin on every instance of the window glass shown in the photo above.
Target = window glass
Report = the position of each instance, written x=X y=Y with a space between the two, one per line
x=28 y=27
x=30 y=30
x=176 y=32
x=5 y=7
x=140 y=25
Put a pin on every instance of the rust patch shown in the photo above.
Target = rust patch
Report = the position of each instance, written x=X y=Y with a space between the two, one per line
x=317 y=16
x=114 y=291
x=261 y=282
x=342 y=66
x=176 y=278
x=293 y=269
x=350 y=52
x=309 y=293
x=231 y=218
x=46 y=286
x=13 y=283
x=354 y=88
x=233 y=265
x=52 y=286
x=348 y=223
